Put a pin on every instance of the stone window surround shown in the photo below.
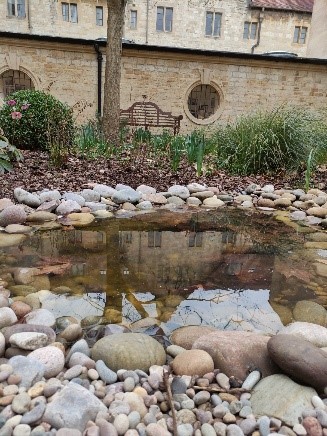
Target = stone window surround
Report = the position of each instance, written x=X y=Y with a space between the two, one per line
x=68 y=5
x=165 y=8
x=216 y=115
x=16 y=15
x=300 y=25
x=99 y=15
x=133 y=21
x=215 y=11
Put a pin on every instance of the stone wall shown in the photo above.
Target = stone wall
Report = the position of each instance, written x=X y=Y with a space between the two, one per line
x=188 y=26
x=245 y=83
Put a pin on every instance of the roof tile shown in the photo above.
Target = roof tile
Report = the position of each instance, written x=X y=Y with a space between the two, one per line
x=285 y=5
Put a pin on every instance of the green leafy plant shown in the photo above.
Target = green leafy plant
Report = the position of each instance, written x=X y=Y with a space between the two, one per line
x=8 y=153
x=31 y=119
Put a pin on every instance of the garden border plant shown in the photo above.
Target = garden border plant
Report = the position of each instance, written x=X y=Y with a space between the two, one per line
x=36 y=120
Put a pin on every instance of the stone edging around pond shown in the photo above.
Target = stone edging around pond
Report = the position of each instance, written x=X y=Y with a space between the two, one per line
x=80 y=209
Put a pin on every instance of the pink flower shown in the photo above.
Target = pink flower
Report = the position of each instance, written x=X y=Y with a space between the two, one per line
x=25 y=106
x=11 y=102
x=16 y=115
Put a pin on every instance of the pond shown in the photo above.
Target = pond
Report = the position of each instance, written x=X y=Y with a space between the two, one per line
x=230 y=269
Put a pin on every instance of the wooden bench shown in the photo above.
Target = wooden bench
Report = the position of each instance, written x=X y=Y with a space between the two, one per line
x=147 y=114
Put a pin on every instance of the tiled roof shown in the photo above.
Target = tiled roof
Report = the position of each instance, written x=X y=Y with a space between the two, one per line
x=285 y=5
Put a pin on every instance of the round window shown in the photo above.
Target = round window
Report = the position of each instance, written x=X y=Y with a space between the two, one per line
x=203 y=103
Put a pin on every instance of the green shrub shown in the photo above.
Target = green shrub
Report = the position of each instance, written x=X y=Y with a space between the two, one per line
x=8 y=153
x=265 y=142
x=34 y=120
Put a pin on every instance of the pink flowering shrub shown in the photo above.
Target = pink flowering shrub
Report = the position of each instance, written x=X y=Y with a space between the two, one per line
x=34 y=120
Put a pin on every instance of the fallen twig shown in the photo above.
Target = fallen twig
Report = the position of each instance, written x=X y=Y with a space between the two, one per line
x=170 y=400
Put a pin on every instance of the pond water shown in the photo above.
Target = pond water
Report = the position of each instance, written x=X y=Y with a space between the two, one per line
x=230 y=269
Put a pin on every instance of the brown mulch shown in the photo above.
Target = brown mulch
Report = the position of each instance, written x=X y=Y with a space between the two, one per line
x=36 y=173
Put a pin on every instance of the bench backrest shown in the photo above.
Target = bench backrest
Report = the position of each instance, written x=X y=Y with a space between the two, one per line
x=149 y=114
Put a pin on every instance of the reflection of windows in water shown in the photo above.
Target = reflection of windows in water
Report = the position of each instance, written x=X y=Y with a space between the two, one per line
x=234 y=269
x=154 y=239
x=125 y=238
x=195 y=239
x=100 y=237
x=79 y=269
x=78 y=236
x=228 y=238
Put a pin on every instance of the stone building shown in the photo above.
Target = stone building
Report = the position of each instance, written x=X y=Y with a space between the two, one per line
x=317 y=43
x=236 y=25
x=206 y=87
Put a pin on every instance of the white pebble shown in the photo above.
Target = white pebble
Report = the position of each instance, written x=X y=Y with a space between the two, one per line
x=121 y=424
x=92 y=374
x=317 y=402
x=251 y=380
x=22 y=430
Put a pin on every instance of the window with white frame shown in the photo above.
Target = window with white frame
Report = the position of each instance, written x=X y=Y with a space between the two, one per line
x=69 y=12
x=133 y=20
x=16 y=8
x=250 y=30
x=213 y=24
x=300 y=34
x=164 y=19
x=99 y=15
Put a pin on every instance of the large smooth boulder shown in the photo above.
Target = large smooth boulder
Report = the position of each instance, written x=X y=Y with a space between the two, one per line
x=12 y=215
x=309 y=311
x=299 y=359
x=316 y=334
x=129 y=351
x=280 y=397
x=193 y=362
x=186 y=336
x=73 y=407
x=235 y=352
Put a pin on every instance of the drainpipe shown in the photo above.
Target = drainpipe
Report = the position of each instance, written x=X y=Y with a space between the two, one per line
x=259 y=32
x=99 y=59
x=29 y=15
x=147 y=22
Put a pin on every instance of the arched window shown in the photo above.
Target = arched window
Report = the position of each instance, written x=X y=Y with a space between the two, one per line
x=14 y=80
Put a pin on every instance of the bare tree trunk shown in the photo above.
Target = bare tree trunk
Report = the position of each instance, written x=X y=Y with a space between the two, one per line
x=111 y=101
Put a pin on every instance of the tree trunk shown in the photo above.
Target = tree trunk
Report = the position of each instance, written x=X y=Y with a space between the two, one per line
x=111 y=101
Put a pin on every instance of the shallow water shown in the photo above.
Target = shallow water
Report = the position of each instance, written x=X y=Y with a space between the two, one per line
x=231 y=269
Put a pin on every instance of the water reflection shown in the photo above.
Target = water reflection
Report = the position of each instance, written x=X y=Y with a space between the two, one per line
x=219 y=275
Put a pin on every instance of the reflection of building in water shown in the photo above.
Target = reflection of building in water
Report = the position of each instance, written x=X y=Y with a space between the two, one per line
x=155 y=261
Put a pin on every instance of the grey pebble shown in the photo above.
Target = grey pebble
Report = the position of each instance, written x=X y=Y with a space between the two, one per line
x=73 y=372
x=33 y=415
x=201 y=397
x=134 y=419
x=234 y=430
x=235 y=407
x=322 y=417
x=223 y=381
x=215 y=400
x=132 y=374
x=149 y=418
x=188 y=404
x=105 y=373
x=185 y=430
x=264 y=425
x=251 y=380
x=245 y=411
x=22 y=430
x=178 y=386
x=207 y=430
x=248 y=425
x=129 y=384
x=220 y=411
x=220 y=428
